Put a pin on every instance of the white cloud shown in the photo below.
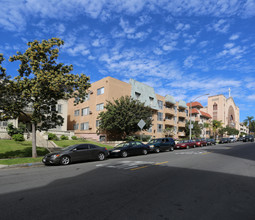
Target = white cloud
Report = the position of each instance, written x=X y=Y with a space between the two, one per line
x=234 y=37
x=126 y=27
x=77 y=50
x=221 y=26
x=188 y=62
x=251 y=97
x=229 y=45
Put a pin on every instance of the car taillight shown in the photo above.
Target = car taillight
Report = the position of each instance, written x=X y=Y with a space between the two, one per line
x=105 y=148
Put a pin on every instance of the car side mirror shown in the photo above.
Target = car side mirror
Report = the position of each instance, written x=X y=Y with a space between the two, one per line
x=75 y=149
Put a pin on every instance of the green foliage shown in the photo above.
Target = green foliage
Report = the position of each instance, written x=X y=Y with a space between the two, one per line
x=122 y=116
x=11 y=130
x=169 y=131
x=74 y=138
x=63 y=137
x=18 y=137
x=251 y=123
x=196 y=130
x=40 y=83
x=52 y=136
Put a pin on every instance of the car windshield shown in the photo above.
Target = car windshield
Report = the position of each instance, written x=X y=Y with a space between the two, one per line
x=122 y=145
x=154 y=141
x=197 y=139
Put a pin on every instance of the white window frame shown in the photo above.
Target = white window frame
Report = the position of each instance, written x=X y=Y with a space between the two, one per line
x=77 y=111
x=84 y=126
x=85 y=111
x=100 y=91
x=100 y=106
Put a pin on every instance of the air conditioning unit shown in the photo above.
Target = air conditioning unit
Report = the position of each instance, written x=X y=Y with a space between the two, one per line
x=90 y=112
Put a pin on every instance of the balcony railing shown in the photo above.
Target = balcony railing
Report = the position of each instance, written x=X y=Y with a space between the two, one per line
x=181 y=124
x=182 y=114
x=170 y=111
x=181 y=133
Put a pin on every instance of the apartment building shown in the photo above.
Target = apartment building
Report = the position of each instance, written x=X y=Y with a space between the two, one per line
x=244 y=128
x=83 y=118
x=195 y=110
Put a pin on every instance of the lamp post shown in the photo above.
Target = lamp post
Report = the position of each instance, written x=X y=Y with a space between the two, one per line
x=190 y=105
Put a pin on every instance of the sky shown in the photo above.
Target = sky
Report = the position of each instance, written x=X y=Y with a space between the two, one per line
x=181 y=48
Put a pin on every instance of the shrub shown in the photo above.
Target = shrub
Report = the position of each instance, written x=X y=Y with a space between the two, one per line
x=63 y=137
x=11 y=130
x=74 y=138
x=18 y=137
x=52 y=136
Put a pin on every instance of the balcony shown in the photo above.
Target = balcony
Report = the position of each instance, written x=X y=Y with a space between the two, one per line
x=169 y=122
x=170 y=111
x=181 y=134
x=182 y=114
x=181 y=124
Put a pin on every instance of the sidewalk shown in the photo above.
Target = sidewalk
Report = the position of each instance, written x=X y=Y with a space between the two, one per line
x=21 y=165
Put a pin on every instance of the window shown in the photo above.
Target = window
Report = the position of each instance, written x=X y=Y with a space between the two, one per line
x=151 y=100
x=160 y=116
x=77 y=112
x=86 y=97
x=3 y=123
x=150 y=129
x=85 y=111
x=85 y=126
x=159 y=127
x=215 y=107
x=100 y=107
x=59 y=109
x=97 y=123
x=137 y=95
x=100 y=91
x=82 y=147
x=175 y=109
x=160 y=104
x=76 y=126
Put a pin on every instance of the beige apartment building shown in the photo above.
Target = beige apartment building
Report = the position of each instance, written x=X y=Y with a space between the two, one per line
x=224 y=109
x=83 y=118
x=202 y=117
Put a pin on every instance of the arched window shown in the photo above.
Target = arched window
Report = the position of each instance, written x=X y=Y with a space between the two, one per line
x=215 y=106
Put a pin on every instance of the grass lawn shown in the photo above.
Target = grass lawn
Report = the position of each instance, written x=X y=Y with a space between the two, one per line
x=12 y=152
x=66 y=143
x=13 y=149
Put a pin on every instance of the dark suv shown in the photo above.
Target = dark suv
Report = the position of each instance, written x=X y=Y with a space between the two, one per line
x=248 y=138
x=161 y=144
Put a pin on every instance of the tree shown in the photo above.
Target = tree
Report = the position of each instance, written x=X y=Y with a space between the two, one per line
x=248 y=120
x=122 y=116
x=40 y=83
x=169 y=131
x=216 y=125
x=196 y=130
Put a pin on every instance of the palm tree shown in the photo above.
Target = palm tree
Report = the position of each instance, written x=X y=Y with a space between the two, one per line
x=249 y=121
x=207 y=125
x=216 y=125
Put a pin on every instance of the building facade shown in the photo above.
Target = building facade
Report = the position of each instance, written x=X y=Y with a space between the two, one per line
x=225 y=110
x=202 y=117
x=83 y=118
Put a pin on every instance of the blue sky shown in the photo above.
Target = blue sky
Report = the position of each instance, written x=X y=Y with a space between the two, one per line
x=180 y=47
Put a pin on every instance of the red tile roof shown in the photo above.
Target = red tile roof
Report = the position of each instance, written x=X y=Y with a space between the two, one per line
x=195 y=104
x=206 y=114
x=194 y=111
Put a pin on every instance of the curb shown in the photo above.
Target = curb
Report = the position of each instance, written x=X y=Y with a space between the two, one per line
x=20 y=165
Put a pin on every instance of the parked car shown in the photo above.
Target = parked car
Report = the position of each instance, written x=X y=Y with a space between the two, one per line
x=129 y=148
x=224 y=140
x=161 y=144
x=240 y=139
x=200 y=143
x=248 y=138
x=75 y=153
x=185 y=144
x=209 y=141
x=213 y=141
x=232 y=139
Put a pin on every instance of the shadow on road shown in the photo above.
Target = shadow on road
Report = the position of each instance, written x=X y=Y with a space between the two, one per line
x=152 y=192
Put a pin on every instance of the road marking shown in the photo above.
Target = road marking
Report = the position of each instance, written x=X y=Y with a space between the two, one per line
x=206 y=153
x=161 y=163
x=138 y=168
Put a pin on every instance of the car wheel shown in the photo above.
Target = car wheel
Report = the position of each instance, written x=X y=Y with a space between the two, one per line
x=157 y=150
x=171 y=148
x=187 y=147
x=194 y=146
x=65 y=160
x=101 y=156
x=124 y=154
x=145 y=152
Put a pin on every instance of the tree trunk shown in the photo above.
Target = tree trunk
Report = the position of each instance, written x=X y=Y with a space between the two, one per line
x=34 y=153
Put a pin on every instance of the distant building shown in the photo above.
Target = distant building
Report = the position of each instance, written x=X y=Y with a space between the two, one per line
x=243 y=128
x=83 y=118
x=202 y=117
x=224 y=109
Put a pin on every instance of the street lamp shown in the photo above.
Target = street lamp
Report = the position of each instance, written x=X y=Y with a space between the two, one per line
x=190 y=105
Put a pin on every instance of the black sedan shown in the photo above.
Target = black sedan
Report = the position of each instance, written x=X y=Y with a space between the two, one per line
x=129 y=148
x=75 y=153
x=224 y=140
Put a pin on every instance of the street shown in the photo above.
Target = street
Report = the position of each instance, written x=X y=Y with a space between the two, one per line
x=213 y=182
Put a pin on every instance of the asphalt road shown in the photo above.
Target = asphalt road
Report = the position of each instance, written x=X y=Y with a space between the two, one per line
x=215 y=182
